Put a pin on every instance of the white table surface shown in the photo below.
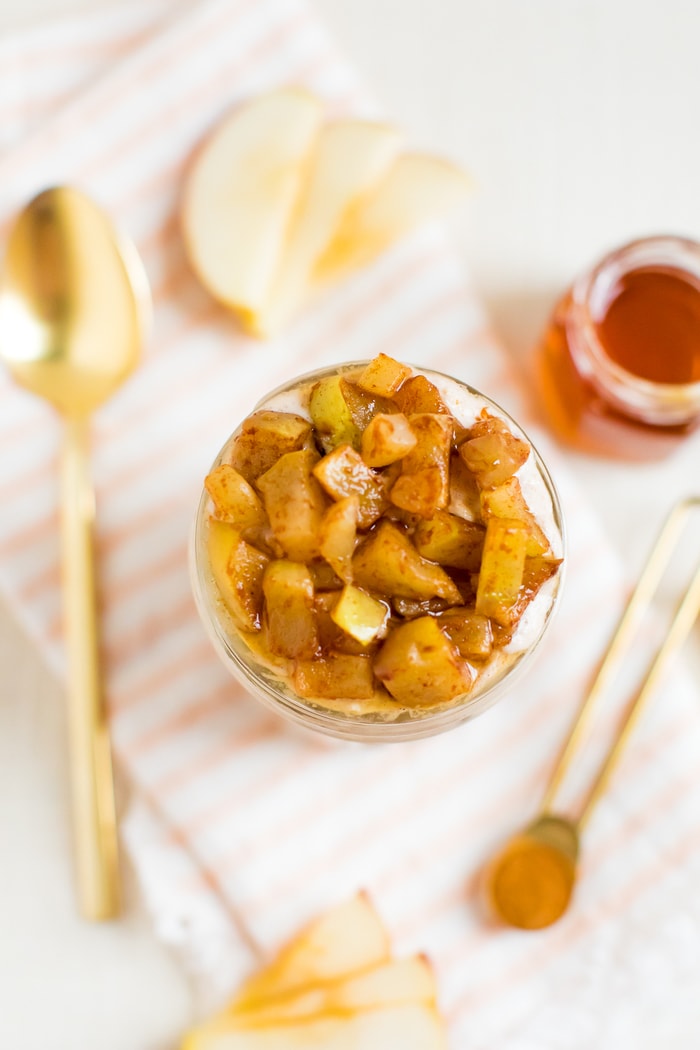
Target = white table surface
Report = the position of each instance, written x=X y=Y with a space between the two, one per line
x=579 y=120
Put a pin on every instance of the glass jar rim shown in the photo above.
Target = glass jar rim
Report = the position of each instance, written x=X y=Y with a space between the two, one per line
x=270 y=690
x=664 y=404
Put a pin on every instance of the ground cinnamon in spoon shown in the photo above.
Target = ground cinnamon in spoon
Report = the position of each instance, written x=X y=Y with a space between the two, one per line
x=531 y=883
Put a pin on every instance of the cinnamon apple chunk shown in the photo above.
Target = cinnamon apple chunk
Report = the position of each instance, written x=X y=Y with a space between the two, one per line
x=450 y=540
x=387 y=438
x=264 y=437
x=295 y=503
x=424 y=485
x=360 y=615
x=492 y=452
x=507 y=501
x=470 y=631
x=383 y=376
x=343 y=473
x=338 y=535
x=502 y=565
x=363 y=406
x=330 y=414
x=234 y=500
x=290 y=623
x=418 y=394
x=335 y=675
x=387 y=563
x=420 y=667
x=237 y=568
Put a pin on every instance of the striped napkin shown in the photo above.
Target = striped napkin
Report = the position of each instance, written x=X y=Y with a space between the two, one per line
x=240 y=828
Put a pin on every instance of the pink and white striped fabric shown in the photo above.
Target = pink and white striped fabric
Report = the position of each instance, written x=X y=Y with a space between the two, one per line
x=239 y=827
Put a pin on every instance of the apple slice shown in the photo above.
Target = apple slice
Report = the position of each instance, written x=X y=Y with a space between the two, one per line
x=350 y=158
x=410 y=1027
x=345 y=940
x=389 y=984
x=241 y=192
x=418 y=188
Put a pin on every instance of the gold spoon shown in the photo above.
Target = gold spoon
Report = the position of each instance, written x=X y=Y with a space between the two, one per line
x=531 y=881
x=74 y=303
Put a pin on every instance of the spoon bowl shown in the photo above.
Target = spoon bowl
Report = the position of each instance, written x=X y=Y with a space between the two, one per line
x=73 y=304
x=532 y=879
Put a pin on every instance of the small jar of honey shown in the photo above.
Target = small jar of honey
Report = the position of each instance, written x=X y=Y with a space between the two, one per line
x=619 y=366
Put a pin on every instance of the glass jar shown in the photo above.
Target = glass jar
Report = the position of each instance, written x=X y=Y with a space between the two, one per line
x=619 y=367
x=365 y=721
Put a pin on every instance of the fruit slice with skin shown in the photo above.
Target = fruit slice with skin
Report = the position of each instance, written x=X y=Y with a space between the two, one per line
x=408 y=1027
x=241 y=192
x=349 y=159
x=418 y=188
x=344 y=940
x=391 y=983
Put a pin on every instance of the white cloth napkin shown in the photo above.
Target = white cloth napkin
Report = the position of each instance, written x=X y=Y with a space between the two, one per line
x=240 y=828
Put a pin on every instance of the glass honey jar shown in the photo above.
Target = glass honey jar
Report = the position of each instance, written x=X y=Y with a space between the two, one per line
x=619 y=366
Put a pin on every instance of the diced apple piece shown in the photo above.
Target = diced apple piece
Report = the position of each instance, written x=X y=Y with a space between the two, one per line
x=383 y=376
x=470 y=631
x=424 y=485
x=502 y=565
x=241 y=193
x=389 y=984
x=360 y=615
x=387 y=438
x=417 y=189
x=332 y=639
x=264 y=437
x=409 y=1026
x=420 y=667
x=465 y=499
x=349 y=159
x=295 y=504
x=289 y=609
x=343 y=473
x=536 y=572
x=335 y=676
x=449 y=540
x=418 y=395
x=234 y=500
x=507 y=501
x=420 y=492
x=331 y=415
x=238 y=569
x=492 y=453
x=387 y=563
x=363 y=407
x=338 y=534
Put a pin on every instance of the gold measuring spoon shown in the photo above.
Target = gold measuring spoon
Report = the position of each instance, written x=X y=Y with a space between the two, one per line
x=73 y=307
x=531 y=881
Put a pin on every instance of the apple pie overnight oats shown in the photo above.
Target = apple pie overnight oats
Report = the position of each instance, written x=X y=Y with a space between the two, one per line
x=376 y=549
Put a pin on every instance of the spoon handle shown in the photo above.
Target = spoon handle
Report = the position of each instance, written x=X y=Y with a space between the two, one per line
x=92 y=785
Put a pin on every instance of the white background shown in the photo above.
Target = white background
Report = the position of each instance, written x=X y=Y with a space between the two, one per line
x=579 y=121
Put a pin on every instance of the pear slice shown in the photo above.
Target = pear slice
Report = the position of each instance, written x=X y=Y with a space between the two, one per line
x=410 y=1027
x=418 y=188
x=241 y=193
x=350 y=159
x=390 y=984
x=344 y=940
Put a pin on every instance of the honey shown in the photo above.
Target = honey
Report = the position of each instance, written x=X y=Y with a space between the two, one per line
x=619 y=367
